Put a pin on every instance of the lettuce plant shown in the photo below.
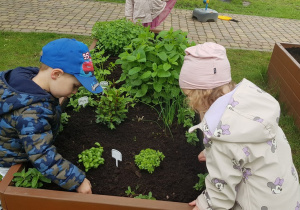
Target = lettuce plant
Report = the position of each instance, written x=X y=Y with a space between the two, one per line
x=91 y=158
x=148 y=159
x=31 y=178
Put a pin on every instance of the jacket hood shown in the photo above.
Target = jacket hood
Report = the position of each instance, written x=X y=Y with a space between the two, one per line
x=250 y=116
x=11 y=99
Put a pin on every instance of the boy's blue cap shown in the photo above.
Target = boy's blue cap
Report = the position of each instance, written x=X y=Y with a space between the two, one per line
x=73 y=57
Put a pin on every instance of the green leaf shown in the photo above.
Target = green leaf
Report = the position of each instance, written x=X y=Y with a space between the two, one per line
x=166 y=66
x=34 y=182
x=134 y=70
x=146 y=75
x=157 y=86
x=131 y=58
x=163 y=56
x=142 y=91
x=162 y=73
x=169 y=47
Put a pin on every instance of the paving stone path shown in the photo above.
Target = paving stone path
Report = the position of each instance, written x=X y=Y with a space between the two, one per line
x=79 y=16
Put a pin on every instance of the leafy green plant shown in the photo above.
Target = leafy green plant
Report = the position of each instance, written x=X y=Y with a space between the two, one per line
x=149 y=196
x=115 y=35
x=129 y=192
x=186 y=117
x=99 y=59
x=31 y=178
x=148 y=159
x=201 y=183
x=64 y=118
x=82 y=98
x=1 y=177
x=92 y=158
x=151 y=66
x=113 y=106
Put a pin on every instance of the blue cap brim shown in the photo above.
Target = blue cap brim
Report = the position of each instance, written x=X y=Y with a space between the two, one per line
x=90 y=83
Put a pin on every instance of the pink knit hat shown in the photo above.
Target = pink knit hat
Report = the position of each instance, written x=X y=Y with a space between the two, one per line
x=205 y=66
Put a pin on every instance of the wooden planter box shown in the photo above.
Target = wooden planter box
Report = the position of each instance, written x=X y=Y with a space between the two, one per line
x=16 y=198
x=284 y=76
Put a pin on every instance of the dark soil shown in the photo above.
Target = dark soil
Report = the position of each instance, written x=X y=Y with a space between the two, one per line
x=295 y=52
x=173 y=180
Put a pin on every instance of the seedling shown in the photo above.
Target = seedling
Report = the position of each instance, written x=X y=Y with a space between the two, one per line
x=149 y=196
x=92 y=158
x=148 y=159
x=201 y=184
x=64 y=118
x=31 y=179
x=129 y=192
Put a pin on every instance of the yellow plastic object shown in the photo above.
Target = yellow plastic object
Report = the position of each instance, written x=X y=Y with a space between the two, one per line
x=224 y=17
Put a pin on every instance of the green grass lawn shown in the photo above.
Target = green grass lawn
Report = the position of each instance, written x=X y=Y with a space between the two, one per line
x=268 y=8
x=23 y=49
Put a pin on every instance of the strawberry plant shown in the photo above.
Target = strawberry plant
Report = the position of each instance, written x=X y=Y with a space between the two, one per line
x=32 y=178
x=148 y=159
x=113 y=106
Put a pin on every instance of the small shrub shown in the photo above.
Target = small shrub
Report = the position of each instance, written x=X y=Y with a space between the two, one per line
x=113 y=36
x=113 y=106
x=148 y=159
x=151 y=66
x=91 y=158
x=30 y=179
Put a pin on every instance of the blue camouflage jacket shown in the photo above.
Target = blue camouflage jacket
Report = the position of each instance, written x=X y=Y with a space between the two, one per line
x=28 y=126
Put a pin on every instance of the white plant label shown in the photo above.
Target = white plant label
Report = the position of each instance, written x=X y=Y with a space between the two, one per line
x=83 y=101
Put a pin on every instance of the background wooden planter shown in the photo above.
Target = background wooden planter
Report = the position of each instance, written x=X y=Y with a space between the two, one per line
x=284 y=76
x=16 y=198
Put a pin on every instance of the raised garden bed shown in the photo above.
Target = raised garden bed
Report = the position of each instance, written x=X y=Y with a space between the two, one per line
x=284 y=76
x=171 y=183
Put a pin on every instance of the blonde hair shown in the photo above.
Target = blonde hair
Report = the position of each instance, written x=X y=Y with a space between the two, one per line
x=200 y=99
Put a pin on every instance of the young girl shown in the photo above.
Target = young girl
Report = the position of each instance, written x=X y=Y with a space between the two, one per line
x=150 y=12
x=247 y=155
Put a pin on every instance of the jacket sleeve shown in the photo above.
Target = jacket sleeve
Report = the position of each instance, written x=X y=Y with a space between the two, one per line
x=36 y=136
x=225 y=168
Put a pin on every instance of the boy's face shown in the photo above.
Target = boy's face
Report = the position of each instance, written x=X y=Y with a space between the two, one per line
x=64 y=85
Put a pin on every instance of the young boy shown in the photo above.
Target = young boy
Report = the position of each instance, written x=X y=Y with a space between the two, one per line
x=30 y=111
x=247 y=155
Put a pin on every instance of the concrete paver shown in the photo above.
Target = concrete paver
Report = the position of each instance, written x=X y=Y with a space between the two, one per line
x=78 y=17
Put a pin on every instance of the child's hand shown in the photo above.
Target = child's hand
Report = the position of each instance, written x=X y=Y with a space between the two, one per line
x=85 y=187
x=193 y=203
x=201 y=156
